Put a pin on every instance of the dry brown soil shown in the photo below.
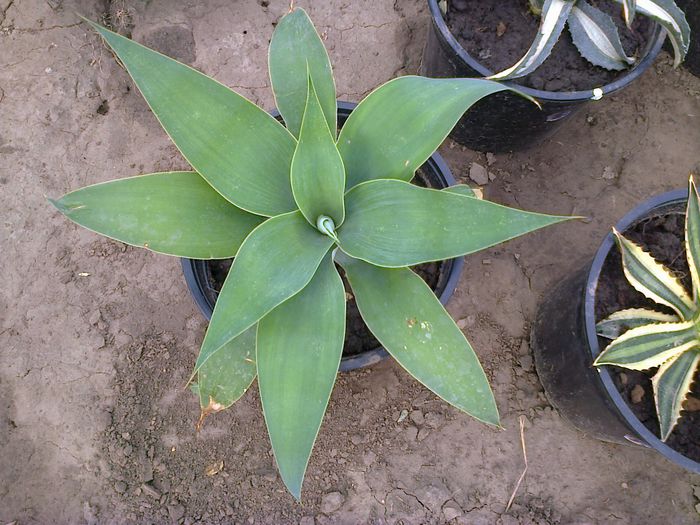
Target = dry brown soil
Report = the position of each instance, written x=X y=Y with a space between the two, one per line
x=97 y=339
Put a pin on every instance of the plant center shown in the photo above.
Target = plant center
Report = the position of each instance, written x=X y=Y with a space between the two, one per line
x=326 y=226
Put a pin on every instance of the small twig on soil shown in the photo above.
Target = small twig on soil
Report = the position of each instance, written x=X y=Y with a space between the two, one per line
x=522 y=476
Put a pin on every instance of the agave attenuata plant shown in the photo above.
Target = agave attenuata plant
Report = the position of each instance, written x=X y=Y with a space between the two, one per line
x=289 y=203
x=595 y=34
x=645 y=339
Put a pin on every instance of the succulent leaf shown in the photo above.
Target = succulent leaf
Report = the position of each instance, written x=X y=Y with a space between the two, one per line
x=409 y=321
x=461 y=189
x=318 y=174
x=275 y=262
x=226 y=376
x=653 y=279
x=554 y=16
x=400 y=124
x=175 y=213
x=692 y=237
x=239 y=149
x=619 y=322
x=670 y=16
x=595 y=35
x=299 y=347
x=629 y=8
x=392 y=223
x=296 y=46
x=650 y=345
x=672 y=384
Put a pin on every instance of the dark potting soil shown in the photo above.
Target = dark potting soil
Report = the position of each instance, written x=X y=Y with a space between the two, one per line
x=477 y=24
x=663 y=237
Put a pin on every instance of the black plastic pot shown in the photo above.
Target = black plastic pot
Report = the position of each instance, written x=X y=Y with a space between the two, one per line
x=565 y=343
x=691 y=8
x=198 y=275
x=505 y=121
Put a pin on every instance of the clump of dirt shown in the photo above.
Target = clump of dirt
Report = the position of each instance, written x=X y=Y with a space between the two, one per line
x=498 y=33
x=663 y=237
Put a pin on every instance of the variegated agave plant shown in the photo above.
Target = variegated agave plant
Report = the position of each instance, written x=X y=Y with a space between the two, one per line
x=595 y=34
x=652 y=339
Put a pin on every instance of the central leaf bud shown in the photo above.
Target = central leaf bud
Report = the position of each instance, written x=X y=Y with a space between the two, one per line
x=326 y=226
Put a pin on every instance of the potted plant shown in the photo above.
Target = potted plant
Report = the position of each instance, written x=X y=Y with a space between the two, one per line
x=474 y=39
x=294 y=205
x=632 y=389
x=691 y=8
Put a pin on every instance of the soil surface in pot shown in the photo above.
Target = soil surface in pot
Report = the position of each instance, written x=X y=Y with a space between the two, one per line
x=358 y=338
x=498 y=33
x=662 y=237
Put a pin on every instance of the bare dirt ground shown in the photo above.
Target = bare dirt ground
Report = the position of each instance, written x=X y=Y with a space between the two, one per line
x=97 y=339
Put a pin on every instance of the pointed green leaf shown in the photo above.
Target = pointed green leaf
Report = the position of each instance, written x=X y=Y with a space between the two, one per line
x=296 y=51
x=226 y=376
x=175 y=213
x=299 y=347
x=692 y=237
x=669 y=15
x=318 y=175
x=275 y=261
x=408 y=320
x=650 y=345
x=652 y=279
x=401 y=123
x=619 y=322
x=595 y=35
x=393 y=223
x=243 y=152
x=672 y=385
x=554 y=16
x=629 y=8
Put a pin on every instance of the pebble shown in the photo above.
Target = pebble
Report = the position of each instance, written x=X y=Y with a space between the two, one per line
x=637 y=394
x=120 y=487
x=150 y=490
x=369 y=458
x=332 y=502
x=417 y=417
x=176 y=511
x=526 y=362
x=423 y=433
x=490 y=159
x=623 y=378
x=478 y=174
x=692 y=404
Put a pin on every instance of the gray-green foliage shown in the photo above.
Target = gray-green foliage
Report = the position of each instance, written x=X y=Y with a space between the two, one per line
x=595 y=34
x=292 y=202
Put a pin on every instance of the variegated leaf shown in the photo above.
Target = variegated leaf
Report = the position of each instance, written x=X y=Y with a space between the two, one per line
x=595 y=35
x=692 y=237
x=650 y=345
x=672 y=384
x=629 y=8
x=619 y=322
x=554 y=16
x=669 y=15
x=653 y=279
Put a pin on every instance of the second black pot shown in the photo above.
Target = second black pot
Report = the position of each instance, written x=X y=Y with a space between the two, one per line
x=565 y=344
x=198 y=274
x=505 y=121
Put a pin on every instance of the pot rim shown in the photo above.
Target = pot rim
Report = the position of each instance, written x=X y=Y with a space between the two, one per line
x=651 y=50
x=637 y=213
x=453 y=267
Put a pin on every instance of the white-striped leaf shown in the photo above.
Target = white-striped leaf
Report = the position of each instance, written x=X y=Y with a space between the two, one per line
x=669 y=15
x=652 y=279
x=554 y=16
x=619 y=322
x=629 y=8
x=671 y=386
x=692 y=237
x=595 y=35
x=650 y=345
